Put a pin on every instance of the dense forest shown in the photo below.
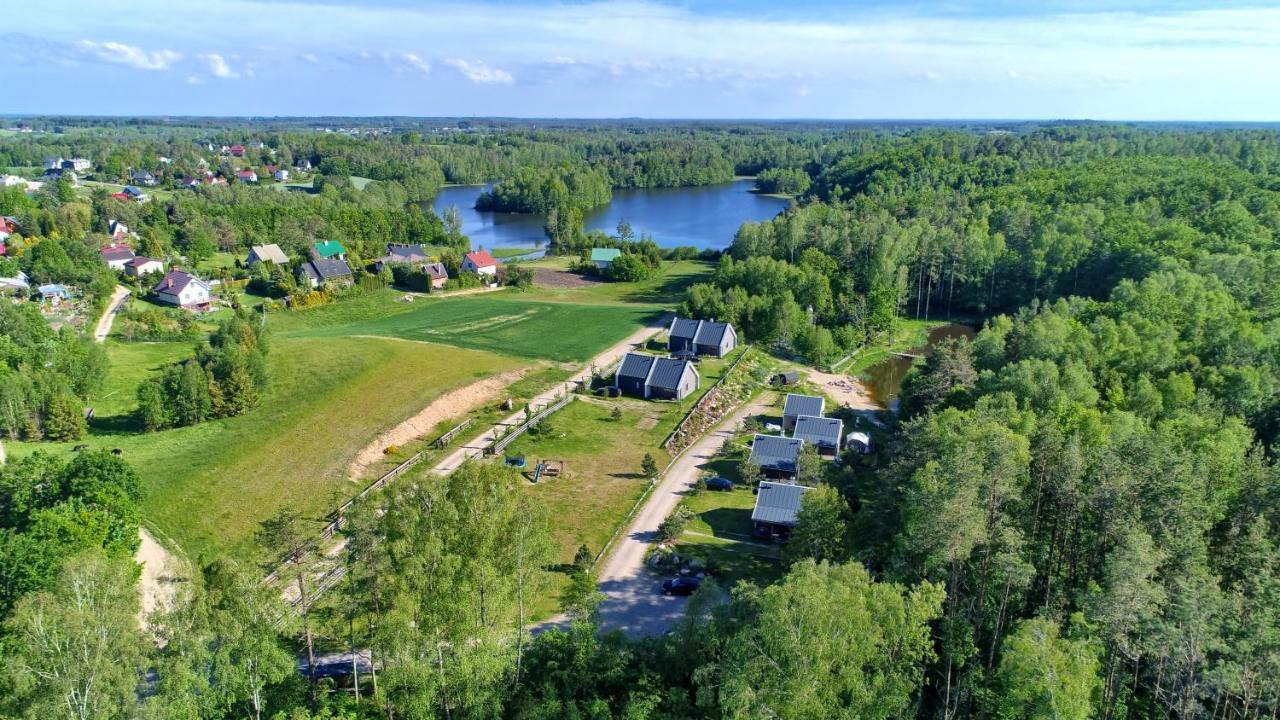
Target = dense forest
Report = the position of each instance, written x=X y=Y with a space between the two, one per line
x=1074 y=515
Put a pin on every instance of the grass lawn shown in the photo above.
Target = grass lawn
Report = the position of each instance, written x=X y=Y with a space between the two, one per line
x=720 y=535
x=667 y=289
x=209 y=486
x=131 y=363
x=602 y=457
x=735 y=561
x=508 y=323
x=504 y=253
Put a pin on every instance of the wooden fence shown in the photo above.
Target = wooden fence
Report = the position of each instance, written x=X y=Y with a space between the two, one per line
x=448 y=437
x=510 y=437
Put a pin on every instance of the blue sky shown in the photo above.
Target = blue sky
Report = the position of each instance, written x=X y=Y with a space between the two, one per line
x=1139 y=60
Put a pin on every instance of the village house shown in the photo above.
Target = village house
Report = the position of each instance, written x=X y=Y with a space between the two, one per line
x=602 y=258
x=326 y=271
x=701 y=337
x=184 y=290
x=248 y=176
x=8 y=226
x=653 y=377
x=236 y=150
x=777 y=509
x=439 y=276
x=281 y=175
x=141 y=266
x=402 y=253
x=54 y=293
x=267 y=253
x=17 y=284
x=329 y=249
x=116 y=255
x=823 y=433
x=136 y=193
x=143 y=177
x=775 y=455
x=797 y=405
x=480 y=262
x=117 y=230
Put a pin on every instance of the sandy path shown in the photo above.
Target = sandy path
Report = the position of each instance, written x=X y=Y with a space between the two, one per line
x=103 y=327
x=160 y=576
x=161 y=571
x=845 y=390
x=452 y=404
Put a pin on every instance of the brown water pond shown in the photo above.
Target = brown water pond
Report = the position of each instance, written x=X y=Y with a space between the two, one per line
x=884 y=379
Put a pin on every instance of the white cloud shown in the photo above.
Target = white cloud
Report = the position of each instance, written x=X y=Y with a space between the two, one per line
x=481 y=73
x=194 y=80
x=121 y=54
x=219 y=67
x=309 y=57
x=416 y=62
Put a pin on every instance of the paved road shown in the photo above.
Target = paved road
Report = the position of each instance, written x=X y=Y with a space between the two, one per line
x=103 y=328
x=604 y=362
x=634 y=602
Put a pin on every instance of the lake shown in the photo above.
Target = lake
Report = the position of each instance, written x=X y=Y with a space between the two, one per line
x=704 y=217
x=884 y=379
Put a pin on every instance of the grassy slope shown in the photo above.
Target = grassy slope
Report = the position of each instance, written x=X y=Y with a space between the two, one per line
x=209 y=486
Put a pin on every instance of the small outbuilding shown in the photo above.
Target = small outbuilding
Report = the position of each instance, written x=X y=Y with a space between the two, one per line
x=777 y=509
x=823 y=433
x=140 y=266
x=859 y=441
x=602 y=258
x=270 y=252
x=798 y=405
x=776 y=456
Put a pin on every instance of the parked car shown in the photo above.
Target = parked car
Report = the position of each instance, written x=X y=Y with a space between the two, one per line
x=680 y=586
x=719 y=483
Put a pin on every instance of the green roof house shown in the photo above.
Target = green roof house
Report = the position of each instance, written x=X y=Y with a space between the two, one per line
x=328 y=249
x=604 y=257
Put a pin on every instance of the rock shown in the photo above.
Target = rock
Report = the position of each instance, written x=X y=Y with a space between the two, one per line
x=695 y=564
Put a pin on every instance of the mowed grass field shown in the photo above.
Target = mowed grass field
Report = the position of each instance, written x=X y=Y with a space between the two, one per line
x=507 y=323
x=209 y=486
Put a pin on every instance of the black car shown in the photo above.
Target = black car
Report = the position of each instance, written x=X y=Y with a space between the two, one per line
x=719 y=483
x=680 y=586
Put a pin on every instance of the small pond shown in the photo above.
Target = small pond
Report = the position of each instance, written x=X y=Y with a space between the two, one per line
x=884 y=379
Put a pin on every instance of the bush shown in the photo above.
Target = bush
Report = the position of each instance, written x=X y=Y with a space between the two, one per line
x=673 y=527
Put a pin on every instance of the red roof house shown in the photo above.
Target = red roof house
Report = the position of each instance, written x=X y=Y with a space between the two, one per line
x=480 y=262
x=237 y=150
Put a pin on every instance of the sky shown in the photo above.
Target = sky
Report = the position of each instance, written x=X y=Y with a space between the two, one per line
x=856 y=59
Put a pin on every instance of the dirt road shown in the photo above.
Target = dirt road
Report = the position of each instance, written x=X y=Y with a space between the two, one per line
x=634 y=602
x=103 y=327
x=605 y=362
x=156 y=583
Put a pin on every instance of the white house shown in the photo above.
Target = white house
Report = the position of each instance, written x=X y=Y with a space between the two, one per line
x=184 y=290
x=140 y=266
x=116 y=255
x=282 y=175
x=480 y=262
